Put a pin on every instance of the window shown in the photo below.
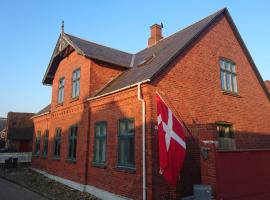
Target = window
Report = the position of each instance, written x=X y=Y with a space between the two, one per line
x=57 y=143
x=61 y=86
x=126 y=142
x=76 y=83
x=100 y=143
x=226 y=136
x=228 y=76
x=72 y=143
x=37 y=143
x=45 y=143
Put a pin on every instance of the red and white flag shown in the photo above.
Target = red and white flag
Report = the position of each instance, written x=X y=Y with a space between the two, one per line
x=172 y=145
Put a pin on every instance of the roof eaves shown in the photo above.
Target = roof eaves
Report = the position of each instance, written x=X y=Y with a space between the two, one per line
x=118 y=90
x=35 y=116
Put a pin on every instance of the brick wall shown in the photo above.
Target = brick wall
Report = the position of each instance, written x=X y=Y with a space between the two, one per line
x=41 y=124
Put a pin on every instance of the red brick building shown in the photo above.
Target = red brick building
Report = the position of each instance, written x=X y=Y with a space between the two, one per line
x=91 y=135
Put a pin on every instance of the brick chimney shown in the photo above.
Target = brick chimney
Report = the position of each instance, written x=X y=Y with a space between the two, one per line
x=156 y=34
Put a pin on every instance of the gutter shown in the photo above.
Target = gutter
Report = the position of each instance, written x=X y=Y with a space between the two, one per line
x=115 y=91
x=140 y=98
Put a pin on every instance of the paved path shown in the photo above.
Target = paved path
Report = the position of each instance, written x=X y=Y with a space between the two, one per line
x=11 y=191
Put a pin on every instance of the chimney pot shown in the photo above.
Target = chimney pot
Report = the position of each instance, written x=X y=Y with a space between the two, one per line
x=155 y=34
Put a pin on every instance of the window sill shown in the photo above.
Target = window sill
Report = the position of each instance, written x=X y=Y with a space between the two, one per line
x=231 y=94
x=70 y=160
x=56 y=158
x=130 y=170
x=99 y=165
x=59 y=104
x=36 y=155
x=74 y=99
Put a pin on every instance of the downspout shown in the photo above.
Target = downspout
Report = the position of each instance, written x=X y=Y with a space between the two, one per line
x=140 y=98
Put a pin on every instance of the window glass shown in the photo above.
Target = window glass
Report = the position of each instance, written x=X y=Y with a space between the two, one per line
x=76 y=83
x=61 y=90
x=57 y=143
x=126 y=143
x=100 y=143
x=72 y=143
x=228 y=76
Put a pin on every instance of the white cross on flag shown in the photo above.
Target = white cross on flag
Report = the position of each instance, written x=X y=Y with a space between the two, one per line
x=172 y=145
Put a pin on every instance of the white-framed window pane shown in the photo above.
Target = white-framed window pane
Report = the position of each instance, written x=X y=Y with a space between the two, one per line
x=78 y=88
x=227 y=66
x=228 y=82
x=103 y=147
x=233 y=68
x=97 y=150
x=222 y=65
x=223 y=80
x=235 y=89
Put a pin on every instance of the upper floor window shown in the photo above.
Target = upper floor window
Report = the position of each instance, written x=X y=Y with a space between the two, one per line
x=61 y=86
x=76 y=83
x=37 y=143
x=226 y=136
x=57 y=143
x=45 y=143
x=100 y=143
x=72 y=143
x=126 y=143
x=228 y=76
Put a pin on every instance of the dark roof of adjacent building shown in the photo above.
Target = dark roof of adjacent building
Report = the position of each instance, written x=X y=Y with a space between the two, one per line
x=20 y=133
x=20 y=126
x=146 y=64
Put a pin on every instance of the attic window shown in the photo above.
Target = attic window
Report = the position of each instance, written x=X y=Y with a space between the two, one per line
x=146 y=60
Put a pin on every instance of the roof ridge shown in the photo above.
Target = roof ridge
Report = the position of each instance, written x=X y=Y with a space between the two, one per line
x=101 y=45
x=163 y=39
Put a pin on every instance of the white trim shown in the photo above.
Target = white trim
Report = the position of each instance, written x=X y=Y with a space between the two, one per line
x=39 y=115
x=102 y=194
x=115 y=91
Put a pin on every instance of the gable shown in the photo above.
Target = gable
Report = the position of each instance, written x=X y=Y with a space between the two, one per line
x=67 y=43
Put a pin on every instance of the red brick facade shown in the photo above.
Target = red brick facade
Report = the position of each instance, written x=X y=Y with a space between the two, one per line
x=192 y=85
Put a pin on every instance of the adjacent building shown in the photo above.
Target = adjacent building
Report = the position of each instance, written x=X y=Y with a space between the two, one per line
x=19 y=131
x=91 y=136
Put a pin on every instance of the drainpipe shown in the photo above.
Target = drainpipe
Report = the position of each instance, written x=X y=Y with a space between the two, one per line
x=140 y=98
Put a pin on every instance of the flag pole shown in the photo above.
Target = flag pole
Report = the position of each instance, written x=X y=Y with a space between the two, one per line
x=178 y=116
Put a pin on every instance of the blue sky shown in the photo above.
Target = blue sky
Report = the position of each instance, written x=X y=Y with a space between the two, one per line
x=29 y=30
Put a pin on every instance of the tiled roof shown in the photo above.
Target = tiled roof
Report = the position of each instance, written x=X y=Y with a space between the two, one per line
x=43 y=111
x=160 y=55
x=100 y=52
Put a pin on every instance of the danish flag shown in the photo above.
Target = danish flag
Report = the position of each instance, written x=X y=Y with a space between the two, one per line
x=172 y=145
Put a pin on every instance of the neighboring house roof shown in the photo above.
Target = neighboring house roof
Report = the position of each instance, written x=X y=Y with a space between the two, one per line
x=146 y=64
x=20 y=133
x=20 y=126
